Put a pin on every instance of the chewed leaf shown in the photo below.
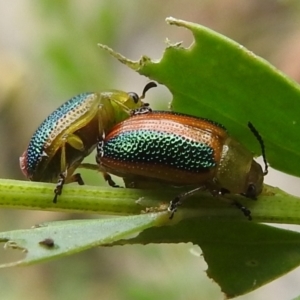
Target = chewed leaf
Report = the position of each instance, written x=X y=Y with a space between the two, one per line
x=219 y=79
x=58 y=239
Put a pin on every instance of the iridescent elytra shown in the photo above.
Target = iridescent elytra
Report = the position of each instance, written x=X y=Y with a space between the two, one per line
x=180 y=150
x=72 y=131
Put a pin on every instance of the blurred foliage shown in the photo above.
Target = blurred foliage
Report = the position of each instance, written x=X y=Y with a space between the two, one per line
x=70 y=40
x=50 y=53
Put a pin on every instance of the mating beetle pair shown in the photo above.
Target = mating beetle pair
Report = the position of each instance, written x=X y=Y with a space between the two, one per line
x=181 y=150
x=165 y=147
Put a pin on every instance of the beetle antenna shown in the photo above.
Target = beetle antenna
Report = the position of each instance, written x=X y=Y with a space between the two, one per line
x=262 y=145
x=147 y=87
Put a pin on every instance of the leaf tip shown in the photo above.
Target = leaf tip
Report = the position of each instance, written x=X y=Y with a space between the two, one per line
x=134 y=65
x=180 y=23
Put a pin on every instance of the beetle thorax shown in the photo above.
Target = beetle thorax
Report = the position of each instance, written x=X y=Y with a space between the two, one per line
x=234 y=167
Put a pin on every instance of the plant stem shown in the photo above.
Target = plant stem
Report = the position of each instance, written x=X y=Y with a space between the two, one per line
x=273 y=206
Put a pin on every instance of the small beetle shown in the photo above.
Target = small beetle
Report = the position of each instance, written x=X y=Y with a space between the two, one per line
x=181 y=150
x=72 y=131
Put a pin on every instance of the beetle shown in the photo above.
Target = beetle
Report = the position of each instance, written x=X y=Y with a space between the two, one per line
x=72 y=131
x=181 y=150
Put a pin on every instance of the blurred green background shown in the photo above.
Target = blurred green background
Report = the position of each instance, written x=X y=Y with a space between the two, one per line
x=49 y=53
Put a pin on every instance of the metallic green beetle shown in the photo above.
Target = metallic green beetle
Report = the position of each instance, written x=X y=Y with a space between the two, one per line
x=72 y=131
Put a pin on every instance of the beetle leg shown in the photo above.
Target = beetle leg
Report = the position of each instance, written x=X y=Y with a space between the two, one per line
x=108 y=178
x=222 y=192
x=59 y=186
x=62 y=176
x=177 y=201
x=100 y=122
x=75 y=142
x=99 y=154
x=89 y=166
x=244 y=209
x=61 y=181
x=76 y=178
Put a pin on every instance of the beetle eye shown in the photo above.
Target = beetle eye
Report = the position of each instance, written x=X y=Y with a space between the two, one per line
x=134 y=96
x=251 y=191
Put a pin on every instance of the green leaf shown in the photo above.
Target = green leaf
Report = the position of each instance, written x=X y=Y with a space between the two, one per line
x=241 y=256
x=219 y=79
x=58 y=239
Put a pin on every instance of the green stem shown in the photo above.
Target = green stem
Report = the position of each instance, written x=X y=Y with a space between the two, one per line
x=273 y=206
x=39 y=196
